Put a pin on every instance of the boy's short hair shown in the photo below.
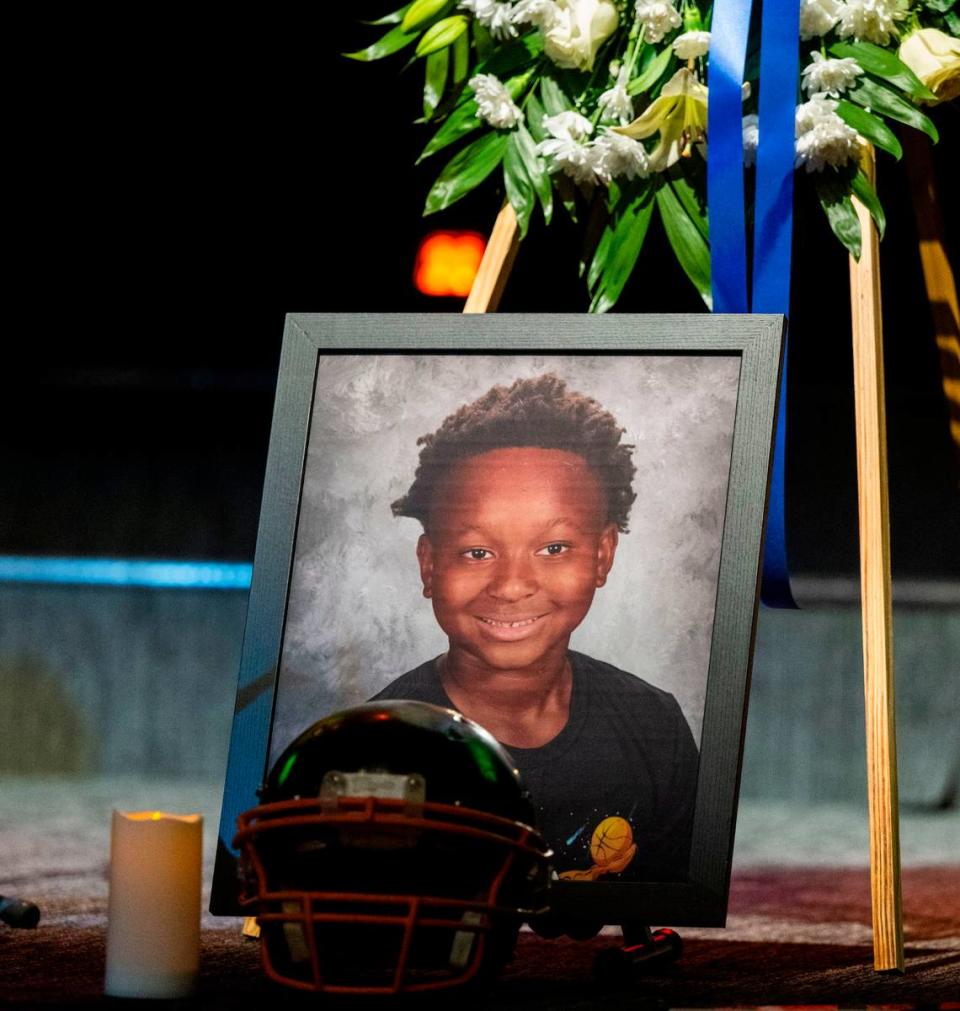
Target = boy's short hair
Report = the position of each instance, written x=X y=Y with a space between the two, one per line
x=540 y=412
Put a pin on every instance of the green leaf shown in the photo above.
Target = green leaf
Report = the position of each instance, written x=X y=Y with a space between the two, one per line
x=646 y=54
x=870 y=126
x=568 y=195
x=687 y=194
x=483 y=41
x=601 y=252
x=953 y=22
x=395 y=40
x=940 y=6
x=884 y=63
x=459 y=123
x=620 y=246
x=461 y=59
x=652 y=74
x=876 y=98
x=520 y=191
x=389 y=19
x=435 y=80
x=463 y=119
x=508 y=58
x=535 y=114
x=423 y=13
x=867 y=196
x=465 y=171
x=536 y=170
x=841 y=214
x=689 y=245
x=444 y=33
x=554 y=100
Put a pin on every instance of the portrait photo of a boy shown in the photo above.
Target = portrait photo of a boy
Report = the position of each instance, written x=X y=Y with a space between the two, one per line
x=533 y=541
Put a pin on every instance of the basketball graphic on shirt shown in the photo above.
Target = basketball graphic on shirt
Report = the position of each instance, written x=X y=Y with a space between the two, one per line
x=612 y=841
x=611 y=849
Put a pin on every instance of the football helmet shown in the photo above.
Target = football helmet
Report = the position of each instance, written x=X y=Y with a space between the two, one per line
x=393 y=851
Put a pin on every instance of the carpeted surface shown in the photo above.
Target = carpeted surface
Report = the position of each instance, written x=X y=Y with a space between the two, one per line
x=795 y=934
x=794 y=937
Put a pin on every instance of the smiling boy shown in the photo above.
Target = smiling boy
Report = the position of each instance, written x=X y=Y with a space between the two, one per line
x=522 y=496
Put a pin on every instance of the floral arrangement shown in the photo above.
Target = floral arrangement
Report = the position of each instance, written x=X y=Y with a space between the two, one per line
x=604 y=103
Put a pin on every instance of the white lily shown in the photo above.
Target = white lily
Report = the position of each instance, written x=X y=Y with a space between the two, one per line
x=680 y=116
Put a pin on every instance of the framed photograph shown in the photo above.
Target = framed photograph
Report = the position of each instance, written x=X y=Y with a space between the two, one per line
x=552 y=524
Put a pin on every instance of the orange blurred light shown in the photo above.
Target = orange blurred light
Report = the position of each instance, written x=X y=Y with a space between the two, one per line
x=447 y=263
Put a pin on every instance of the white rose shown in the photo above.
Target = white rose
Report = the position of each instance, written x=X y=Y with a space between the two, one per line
x=579 y=29
x=817 y=17
x=935 y=58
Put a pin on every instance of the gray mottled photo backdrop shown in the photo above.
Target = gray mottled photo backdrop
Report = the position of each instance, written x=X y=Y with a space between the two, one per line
x=356 y=618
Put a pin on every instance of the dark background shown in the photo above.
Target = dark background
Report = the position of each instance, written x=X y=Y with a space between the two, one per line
x=181 y=203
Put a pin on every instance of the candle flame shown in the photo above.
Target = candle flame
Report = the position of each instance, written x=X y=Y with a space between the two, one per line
x=159 y=816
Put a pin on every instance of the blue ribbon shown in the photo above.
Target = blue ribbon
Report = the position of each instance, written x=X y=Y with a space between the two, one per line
x=772 y=238
x=728 y=229
x=773 y=226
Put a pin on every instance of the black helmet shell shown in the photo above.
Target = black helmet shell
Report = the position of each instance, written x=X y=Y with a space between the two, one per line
x=462 y=763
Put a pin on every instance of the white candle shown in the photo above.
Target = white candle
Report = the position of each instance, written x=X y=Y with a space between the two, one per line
x=153 y=915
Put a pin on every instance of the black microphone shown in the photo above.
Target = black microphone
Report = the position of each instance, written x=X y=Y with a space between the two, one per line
x=18 y=913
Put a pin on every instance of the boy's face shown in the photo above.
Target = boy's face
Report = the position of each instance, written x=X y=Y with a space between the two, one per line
x=517 y=544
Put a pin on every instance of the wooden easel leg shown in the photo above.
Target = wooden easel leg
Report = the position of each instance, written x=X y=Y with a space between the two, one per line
x=937 y=273
x=496 y=264
x=876 y=595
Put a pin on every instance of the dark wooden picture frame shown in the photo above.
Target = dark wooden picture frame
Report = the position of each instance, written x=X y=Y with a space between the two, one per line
x=755 y=341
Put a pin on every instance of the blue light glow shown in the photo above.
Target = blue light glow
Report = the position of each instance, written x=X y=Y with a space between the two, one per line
x=127 y=572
